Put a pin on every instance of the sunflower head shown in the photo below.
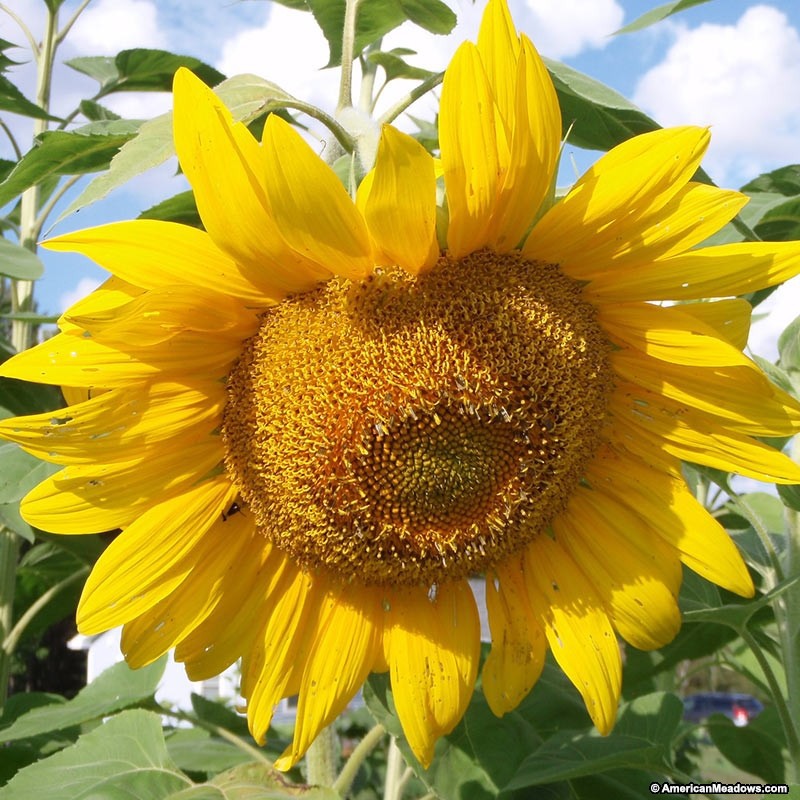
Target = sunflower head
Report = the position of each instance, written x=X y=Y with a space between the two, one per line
x=391 y=416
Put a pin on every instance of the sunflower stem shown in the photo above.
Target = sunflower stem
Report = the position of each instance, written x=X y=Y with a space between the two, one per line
x=348 y=54
x=22 y=291
x=393 y=788
x=787 y=611
x=9 y=553
x=322 y=758
x=348 y=774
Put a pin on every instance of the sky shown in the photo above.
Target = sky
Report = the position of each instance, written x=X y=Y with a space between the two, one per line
x=730 y=64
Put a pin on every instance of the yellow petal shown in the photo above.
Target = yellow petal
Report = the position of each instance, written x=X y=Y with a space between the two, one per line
x=154 y=254
x=730 y=318
x=743 y=398
x=75 y=360
x=647 y=234
x=518 y=644
x=433 y=650
x=711 y=444
x=153 y=556
x=93 y=498
x=577 y=628
x=670 y=334
x=645 y=172
x=400 y=208
x=533 y=156
x=215 y=559
x=667 y=506
x=635 y=578
x=499 y=46
x=468 y=140
x=311 y=207
x=281 y=647
x=728 y=269
x=232 y=624
x=227 y=170
x=120 y=425
x=157 y=316
x=340 y=659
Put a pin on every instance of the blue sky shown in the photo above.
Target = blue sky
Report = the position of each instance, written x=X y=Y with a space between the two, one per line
x=733 y=64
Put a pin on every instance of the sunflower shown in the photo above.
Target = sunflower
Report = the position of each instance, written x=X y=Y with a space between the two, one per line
x=316 y=418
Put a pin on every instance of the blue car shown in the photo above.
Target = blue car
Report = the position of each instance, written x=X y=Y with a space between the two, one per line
x=740 y=708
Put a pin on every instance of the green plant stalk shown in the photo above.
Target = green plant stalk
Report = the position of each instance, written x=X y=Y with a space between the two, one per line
x=348 y=54
x=9 y=553
x=392 y=789
x=22 y=291
x=787 y=612
x=322 y=758
x=21 y=334
x=349 y=771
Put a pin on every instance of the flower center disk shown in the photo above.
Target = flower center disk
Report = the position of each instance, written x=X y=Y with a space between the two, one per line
x=413 y=430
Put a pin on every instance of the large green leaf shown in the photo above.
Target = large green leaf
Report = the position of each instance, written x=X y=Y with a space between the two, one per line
x=756 y=748
x=179 y=208
x=20 y=473
x=245 y=95
x=121 y=759
x=784 y=181
x=641 y=739
x=657 y=14
x=117 y=688
x=141 y=70
x=12 y=99
x=87 y=149
x=593 y=115
x=485 y=756
x=432 y=15
x=19 y=262
x=375 y=19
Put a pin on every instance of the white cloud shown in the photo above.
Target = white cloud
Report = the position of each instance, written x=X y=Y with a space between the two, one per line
x=288 y=49
x=85 y=286
x=108 y=26
x=565 y=28
x=742 y=80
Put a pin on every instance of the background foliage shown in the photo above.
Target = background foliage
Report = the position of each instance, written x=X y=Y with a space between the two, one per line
x=111 y=739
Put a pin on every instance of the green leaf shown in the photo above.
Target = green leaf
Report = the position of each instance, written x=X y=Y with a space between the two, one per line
x=87 y=149
x=141 y=70
x=790 y=495
x=53 y=5
x=781 y=223
x=789 y=346
x=375 y=19
x=20 y=473
x=483 y=752
x=12 y=99
x=657 y=14
x=432 y=15
x=5 y=61
x=121 y=759
x=19 y=262
x=395 y=67
x=641 y=740
x=255 y=781
x=245 y=95
x=784 y=181
x=94 y=112
x=179 y=208
x=756 y=748
x=117 y=688
x=593 y=115
x=195 y=750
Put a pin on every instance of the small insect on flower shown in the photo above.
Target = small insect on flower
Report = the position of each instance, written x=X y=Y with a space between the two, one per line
x=234 y=509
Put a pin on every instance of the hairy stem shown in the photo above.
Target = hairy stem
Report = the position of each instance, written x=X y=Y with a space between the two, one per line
x=348 y=774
